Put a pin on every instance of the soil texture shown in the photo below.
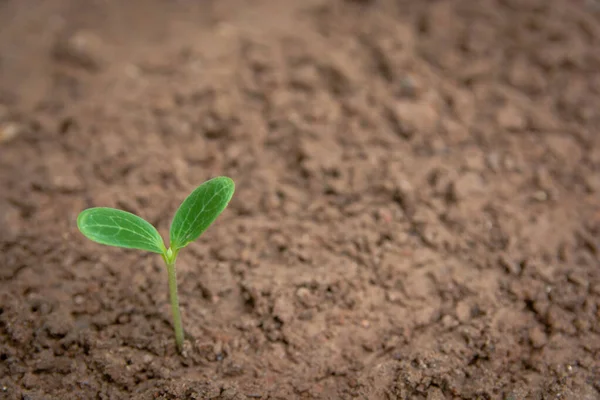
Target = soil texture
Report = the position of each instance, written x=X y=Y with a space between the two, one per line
x=417 y=213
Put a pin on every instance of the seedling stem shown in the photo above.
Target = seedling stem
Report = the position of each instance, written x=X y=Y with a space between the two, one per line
x=170 y=258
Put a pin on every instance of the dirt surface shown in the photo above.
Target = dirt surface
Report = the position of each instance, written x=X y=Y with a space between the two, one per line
x=417 y=213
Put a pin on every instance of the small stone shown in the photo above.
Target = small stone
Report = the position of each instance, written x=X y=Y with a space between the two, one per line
x=540 y=195
x=9 y=132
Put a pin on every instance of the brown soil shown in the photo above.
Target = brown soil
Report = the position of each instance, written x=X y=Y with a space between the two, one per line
x=417 y=213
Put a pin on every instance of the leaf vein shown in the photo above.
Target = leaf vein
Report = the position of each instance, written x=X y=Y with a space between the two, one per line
x=191 y=226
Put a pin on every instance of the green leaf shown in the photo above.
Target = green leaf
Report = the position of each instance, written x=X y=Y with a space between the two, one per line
x=199 y=210
x=119 y=228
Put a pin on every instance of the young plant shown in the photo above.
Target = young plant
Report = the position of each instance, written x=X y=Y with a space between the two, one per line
x=119 y=228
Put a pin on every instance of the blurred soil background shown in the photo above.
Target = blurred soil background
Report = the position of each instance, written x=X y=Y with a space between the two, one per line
x=417 y=213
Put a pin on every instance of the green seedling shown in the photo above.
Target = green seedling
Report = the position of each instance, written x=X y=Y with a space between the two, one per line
x=120 y=228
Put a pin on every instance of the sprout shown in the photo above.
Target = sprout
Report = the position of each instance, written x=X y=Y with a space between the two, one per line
x=119 y=228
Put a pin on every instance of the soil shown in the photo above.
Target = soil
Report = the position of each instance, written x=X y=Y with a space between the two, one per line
x=417 y=211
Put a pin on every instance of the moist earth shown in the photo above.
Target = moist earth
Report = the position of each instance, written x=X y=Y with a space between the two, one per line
x=417 y=213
